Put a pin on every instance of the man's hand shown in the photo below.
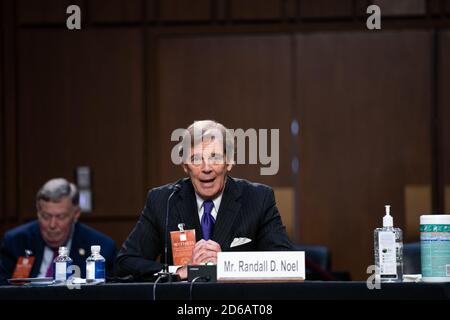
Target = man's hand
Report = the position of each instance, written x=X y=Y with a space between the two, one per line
x=205 y=251
x=182 y=272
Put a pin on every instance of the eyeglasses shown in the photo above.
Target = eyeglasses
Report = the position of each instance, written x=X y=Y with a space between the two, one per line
x=213 y=159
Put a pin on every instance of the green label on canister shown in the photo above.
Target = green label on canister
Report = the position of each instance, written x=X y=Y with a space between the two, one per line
x=435 y=250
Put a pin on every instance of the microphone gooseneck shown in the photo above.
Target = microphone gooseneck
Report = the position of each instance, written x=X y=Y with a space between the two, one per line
x=176 y=188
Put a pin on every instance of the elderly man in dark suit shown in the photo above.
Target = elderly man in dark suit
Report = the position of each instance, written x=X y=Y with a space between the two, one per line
x=220 y=209
x=58 y=212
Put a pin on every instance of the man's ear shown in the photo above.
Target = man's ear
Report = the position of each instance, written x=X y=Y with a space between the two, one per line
x=77 y=214
x=229 y=166
x=185 y=168
x=38 y=207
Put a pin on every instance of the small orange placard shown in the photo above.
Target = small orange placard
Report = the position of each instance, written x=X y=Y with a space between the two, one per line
x=183 y=243
x=23 y=267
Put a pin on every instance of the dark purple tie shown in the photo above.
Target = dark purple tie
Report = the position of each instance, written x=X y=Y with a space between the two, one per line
x=207 y=219
x=51 y=267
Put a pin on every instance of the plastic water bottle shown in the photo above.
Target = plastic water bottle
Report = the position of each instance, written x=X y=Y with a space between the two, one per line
x=62 y=263
x=95 y=266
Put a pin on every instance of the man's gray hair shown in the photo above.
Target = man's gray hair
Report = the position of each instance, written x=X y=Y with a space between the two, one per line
x=209 y=130
x=55 y=190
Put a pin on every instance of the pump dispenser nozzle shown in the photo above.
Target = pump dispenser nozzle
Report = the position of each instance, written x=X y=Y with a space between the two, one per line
x=387 y=219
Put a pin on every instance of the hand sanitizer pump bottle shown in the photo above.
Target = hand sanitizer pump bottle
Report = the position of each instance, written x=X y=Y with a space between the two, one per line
x=388 y=250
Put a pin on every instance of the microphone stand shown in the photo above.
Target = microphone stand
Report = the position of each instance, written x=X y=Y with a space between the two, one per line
x=165 y=275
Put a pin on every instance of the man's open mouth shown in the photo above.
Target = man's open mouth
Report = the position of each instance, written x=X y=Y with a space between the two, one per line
x=207 y=180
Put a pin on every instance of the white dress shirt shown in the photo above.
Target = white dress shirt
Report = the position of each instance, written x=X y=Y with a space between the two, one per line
x=47 y=257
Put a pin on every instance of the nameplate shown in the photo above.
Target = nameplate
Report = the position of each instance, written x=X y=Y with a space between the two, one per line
x=261 y=265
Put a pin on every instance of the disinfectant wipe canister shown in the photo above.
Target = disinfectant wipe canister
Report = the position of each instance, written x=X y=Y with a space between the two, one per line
x=435 y=247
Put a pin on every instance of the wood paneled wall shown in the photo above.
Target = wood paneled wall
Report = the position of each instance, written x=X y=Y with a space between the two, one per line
x=2 y=119
x=364 y=113
x=81 y=103
x=444 y=119
x=237 y=80
x=109 y=96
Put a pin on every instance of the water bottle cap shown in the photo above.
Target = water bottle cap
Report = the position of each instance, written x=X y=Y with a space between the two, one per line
x=95 y=249
x=62 y=251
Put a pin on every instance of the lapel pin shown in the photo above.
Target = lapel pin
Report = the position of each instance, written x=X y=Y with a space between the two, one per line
x=81 y=251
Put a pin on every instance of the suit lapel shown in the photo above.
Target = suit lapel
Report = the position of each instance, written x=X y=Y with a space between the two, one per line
x=227 y=213
x=186 y=206
x=38 y=251
x=77 y=244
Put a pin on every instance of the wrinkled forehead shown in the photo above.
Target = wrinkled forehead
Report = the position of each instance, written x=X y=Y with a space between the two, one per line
x=208 y=146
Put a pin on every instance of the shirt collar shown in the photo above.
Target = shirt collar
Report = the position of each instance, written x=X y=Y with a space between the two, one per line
x=216 y=201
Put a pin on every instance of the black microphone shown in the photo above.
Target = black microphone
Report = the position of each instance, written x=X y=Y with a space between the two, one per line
x=165 y=273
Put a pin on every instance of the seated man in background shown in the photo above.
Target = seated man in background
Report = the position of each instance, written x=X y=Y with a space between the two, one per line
x=220 y=208
x=56 y=225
